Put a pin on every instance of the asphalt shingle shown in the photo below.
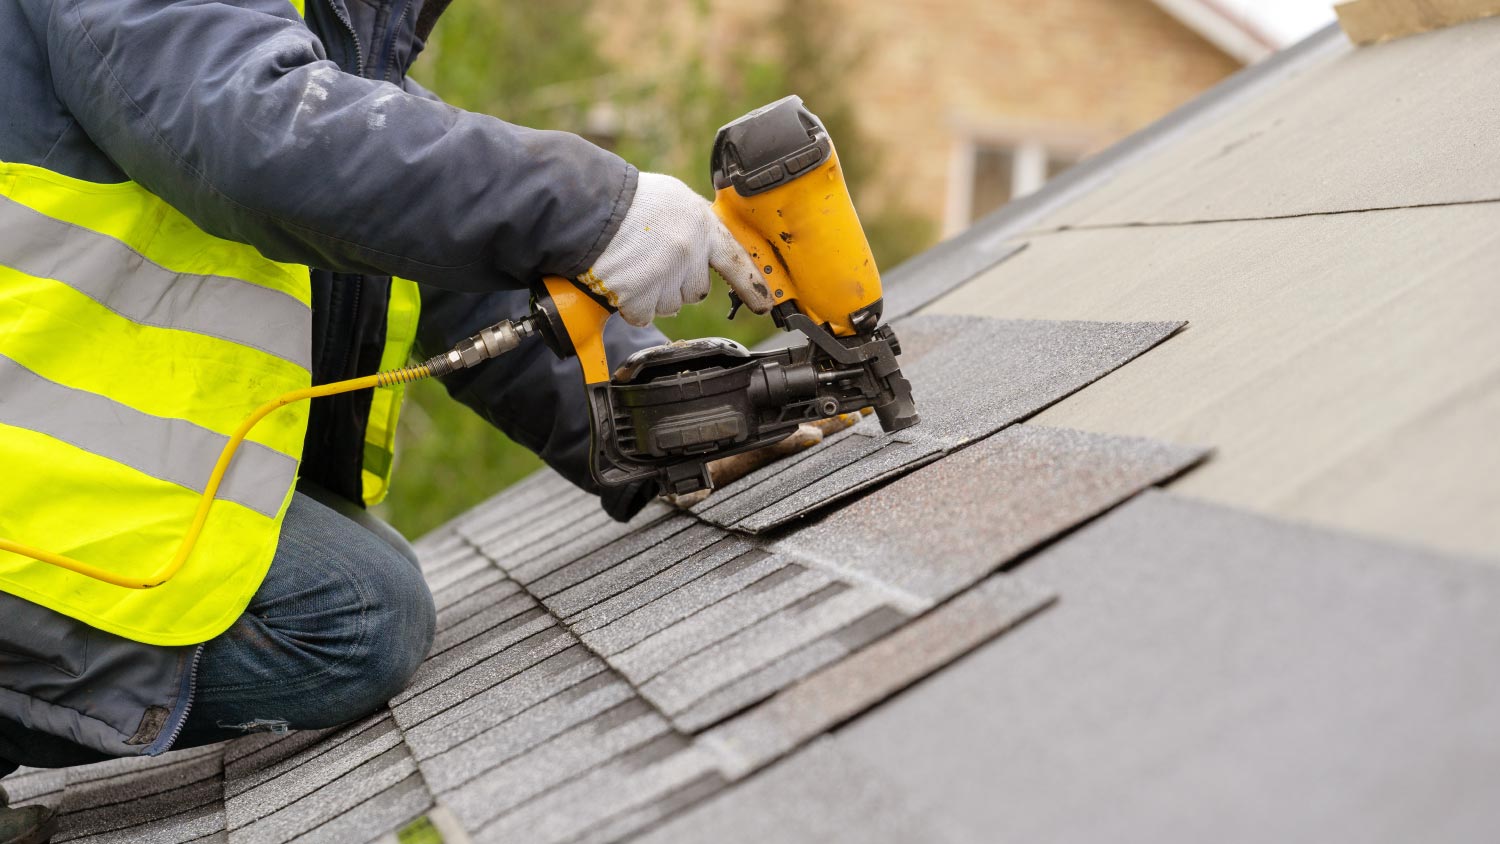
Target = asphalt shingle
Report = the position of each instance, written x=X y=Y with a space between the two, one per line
x=944 y=527
x=651 y=591
x=693 y=593
x=270 y=789
x=1201 y=654
x=36 y=786
x=504 y=736
x=820 y=795
x=162 y=800
x=982 y=375
x=840 y=691
x=364 y=788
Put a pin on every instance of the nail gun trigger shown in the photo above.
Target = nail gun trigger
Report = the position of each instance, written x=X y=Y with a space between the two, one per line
x=735 y=302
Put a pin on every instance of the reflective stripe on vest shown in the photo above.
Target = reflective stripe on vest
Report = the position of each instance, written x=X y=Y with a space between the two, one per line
x=131 y=345
x=385 y=405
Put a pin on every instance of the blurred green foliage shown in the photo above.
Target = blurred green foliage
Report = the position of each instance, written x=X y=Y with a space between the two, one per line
x=536 y=64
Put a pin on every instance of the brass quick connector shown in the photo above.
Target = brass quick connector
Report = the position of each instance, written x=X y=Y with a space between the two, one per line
x=492 y=342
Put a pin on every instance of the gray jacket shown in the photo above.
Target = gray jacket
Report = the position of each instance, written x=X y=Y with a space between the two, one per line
x=307 y=142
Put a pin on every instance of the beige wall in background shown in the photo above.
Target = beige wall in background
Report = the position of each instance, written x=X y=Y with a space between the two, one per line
x=938 y=71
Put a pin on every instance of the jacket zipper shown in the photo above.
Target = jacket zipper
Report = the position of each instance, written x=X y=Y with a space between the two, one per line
x=359 y=55
x=192 y=693
x=382 y=67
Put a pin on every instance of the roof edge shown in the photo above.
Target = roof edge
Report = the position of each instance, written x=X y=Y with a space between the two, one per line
x=1230 y=32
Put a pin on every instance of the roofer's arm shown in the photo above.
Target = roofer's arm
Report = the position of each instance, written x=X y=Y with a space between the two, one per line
x=232 y=114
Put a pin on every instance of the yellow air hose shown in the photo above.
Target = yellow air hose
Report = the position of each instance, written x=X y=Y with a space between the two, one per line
x=491 y=342
x=190 y=539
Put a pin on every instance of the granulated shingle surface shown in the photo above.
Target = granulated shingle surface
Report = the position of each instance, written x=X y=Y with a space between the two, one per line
x=822 y=796
x=1200 y=654
x=972 y=377
x=943 y=527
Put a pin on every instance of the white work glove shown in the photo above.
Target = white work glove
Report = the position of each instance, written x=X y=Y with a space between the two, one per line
x=659 y=259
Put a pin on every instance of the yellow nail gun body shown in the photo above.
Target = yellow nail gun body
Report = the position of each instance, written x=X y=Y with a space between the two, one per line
x=667 y=411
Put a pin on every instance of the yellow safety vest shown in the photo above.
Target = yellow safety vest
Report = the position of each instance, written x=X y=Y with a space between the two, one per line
x=401 y=316
x=131 y=345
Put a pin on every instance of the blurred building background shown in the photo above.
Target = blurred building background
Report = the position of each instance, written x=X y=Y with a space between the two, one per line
x=942 y=110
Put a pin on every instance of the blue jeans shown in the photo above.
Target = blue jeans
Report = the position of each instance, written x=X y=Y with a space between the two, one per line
x=337 y=628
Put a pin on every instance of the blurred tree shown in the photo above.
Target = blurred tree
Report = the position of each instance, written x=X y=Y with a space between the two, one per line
x=537 y=64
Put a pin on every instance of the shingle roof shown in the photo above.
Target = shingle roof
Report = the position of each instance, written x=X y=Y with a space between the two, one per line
x=990 y=626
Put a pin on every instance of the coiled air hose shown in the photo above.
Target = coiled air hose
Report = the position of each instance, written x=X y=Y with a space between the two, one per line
x=492 y=342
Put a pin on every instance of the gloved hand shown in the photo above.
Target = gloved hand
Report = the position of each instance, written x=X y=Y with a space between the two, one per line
x=659 y=259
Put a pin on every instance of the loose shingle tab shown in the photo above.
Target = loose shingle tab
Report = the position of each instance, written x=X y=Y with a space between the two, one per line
x=971 y=377
x=36 y=786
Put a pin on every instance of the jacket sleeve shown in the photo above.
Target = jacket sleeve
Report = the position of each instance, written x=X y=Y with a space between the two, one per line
x=232 y=113
x=536 y=399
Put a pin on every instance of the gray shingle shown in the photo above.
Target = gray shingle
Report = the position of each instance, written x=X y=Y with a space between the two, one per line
x=164 y=823
x=695 y=594
x=479 y=597
x=527 y=497
x=438 y=556
x=534 y=526
x=660 y=805
x=835 y=694
x=268 y=790
x=450 y=596
x=470 y=565
x=758 y=646
x=658 y=652
x=656 y=587
x=499 y=741
x=629 y=786
x=758 y=683
x=507 y=602
x=628 y=573
x=895 y=457
x=817 y=795
x=558 y=676
x=40 y=786
x=551 y=574
x=783 y=478
x=261 y=750
x=983 y=375
x=513 y=783
x=534 y=542
x=448 y=664
x=377 y=818
x=507 y=657
x=162 y=800
x=945 y=526
x=1201 y=654
x=333 y=801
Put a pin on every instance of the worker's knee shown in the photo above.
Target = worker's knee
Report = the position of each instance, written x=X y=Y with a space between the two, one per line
x=385 y=648
x=339 y=626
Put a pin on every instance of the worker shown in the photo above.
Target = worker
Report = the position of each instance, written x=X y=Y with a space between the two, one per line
x=169 y=169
